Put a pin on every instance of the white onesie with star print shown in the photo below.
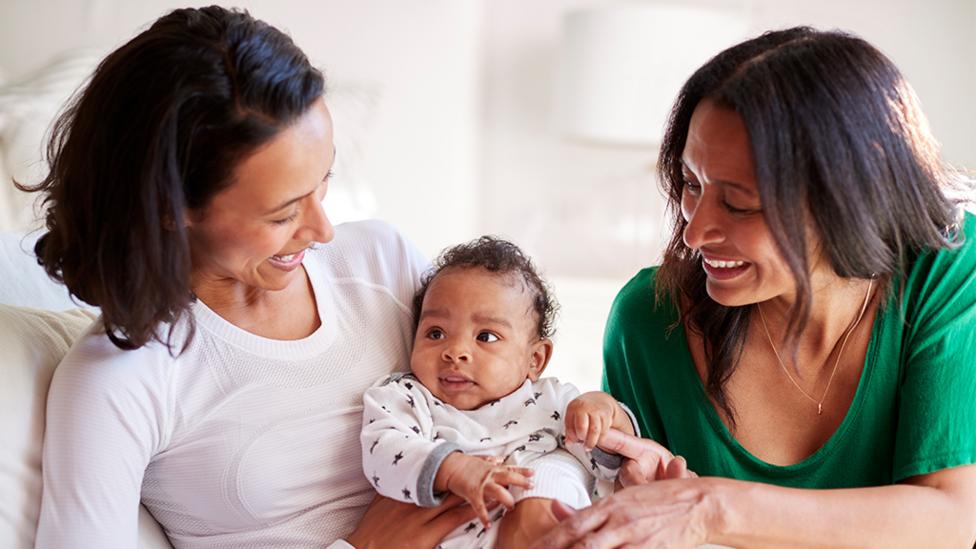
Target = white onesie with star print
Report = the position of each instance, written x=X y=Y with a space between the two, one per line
x=407 y=433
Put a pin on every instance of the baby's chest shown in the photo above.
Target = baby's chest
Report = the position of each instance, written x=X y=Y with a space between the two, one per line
x=505 y=432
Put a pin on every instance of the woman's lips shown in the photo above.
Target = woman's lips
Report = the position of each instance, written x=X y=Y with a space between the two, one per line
x=287 y=262
x=724 y=269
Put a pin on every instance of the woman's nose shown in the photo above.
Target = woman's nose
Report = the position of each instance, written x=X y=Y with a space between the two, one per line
x=316 y=224
x=703 y=223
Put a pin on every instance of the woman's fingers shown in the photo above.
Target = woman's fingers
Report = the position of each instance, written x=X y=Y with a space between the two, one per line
x=629 y=534
x=574 y=527
x=647 y=460
x=633 y=447
x=561 y=510
x=632 y=473
x=677 y=468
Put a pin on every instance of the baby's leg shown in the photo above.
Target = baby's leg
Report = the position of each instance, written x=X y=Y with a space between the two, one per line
x=531 y=519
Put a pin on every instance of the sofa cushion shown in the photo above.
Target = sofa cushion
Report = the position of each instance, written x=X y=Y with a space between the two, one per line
x=32 y=343
x=23 y=282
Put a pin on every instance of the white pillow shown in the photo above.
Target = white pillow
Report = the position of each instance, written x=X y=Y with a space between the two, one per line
x=33 y=342
x=24 y=282
x=28 y=108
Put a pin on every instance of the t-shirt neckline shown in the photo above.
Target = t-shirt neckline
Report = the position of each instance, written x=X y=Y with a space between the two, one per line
x=279 y=349
x=835 y=439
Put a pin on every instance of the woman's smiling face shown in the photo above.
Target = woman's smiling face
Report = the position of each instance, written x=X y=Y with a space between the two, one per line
x=256 y=231
x=725 y=222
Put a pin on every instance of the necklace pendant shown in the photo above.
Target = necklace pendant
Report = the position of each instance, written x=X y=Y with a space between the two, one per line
x=819 y=408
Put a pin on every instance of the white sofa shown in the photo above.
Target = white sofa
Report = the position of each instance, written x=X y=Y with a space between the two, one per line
x=38 y=323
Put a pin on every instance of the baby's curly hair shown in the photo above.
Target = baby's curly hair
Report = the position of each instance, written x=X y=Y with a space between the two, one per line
x=500 y=256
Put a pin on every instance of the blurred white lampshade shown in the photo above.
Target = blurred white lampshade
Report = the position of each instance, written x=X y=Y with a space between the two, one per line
x=623 y=65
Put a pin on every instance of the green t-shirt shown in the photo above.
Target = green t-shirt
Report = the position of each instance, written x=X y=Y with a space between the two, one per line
x=914 y=411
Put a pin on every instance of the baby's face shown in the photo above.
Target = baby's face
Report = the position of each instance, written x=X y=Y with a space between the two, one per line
x=476 y=341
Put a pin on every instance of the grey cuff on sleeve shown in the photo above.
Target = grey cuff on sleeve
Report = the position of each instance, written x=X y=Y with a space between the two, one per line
x=428 y=472
x=633 y=419
x=606 y=459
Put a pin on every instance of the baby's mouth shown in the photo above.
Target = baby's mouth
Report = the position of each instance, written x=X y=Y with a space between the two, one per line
x=455 y=382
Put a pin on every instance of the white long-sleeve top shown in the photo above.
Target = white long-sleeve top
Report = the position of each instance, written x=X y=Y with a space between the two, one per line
x=241 y=441
x=407 y=433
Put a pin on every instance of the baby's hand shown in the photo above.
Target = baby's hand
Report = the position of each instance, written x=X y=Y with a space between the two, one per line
x=481 y=480
x=592 y=414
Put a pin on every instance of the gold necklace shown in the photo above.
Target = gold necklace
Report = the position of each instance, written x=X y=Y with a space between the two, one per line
x=843 y=344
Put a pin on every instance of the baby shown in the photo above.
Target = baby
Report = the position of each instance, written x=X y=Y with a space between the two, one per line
x=474 y=418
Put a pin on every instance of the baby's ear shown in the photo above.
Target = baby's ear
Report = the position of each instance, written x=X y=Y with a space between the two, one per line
x=539 y=359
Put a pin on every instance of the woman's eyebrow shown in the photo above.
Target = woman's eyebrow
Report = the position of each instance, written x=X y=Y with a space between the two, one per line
x=735 y=185
x=724 y=182
x=287 y=203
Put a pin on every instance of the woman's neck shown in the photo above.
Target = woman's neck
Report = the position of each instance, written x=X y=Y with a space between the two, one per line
x=836 y=303
x=289 y=313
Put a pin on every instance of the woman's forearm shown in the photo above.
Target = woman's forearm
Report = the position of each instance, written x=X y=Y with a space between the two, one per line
x=747 y=514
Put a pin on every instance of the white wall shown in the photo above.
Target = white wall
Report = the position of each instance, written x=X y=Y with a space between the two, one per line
x=596 y=211
x=417 y=60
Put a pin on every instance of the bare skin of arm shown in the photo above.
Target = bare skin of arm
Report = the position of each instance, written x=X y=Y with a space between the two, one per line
x=390 y=524
x=528 y=522
x=933 y=510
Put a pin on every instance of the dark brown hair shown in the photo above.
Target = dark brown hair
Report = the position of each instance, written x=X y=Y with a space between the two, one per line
x=157 y=132
x=837 y=138
x=495 y=255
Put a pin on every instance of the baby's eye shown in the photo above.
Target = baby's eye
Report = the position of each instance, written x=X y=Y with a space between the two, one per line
x=435 y=333
x=487 y=337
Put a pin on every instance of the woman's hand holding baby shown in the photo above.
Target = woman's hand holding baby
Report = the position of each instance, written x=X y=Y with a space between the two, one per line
x=591 y=415
x=481 y=480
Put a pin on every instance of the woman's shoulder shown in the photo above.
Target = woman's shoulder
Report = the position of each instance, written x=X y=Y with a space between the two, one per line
x=370 y=255
x=638 y=300
x=105 y=384
x=641 y=286
x=949 y=272
x=369 y=249
x=93 y=361
x=369 y=231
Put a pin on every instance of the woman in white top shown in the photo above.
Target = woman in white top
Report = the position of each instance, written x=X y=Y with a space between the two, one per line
x=222 y=384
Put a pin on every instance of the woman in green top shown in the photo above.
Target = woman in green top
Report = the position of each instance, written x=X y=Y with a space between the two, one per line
x=809 y=343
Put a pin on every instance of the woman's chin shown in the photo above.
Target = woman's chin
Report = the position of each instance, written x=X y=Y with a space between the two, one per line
x=274 y=280
x=728 y=297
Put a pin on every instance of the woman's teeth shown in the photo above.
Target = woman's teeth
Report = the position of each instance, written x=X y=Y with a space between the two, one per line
x=724 y=264
x=285 y=258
